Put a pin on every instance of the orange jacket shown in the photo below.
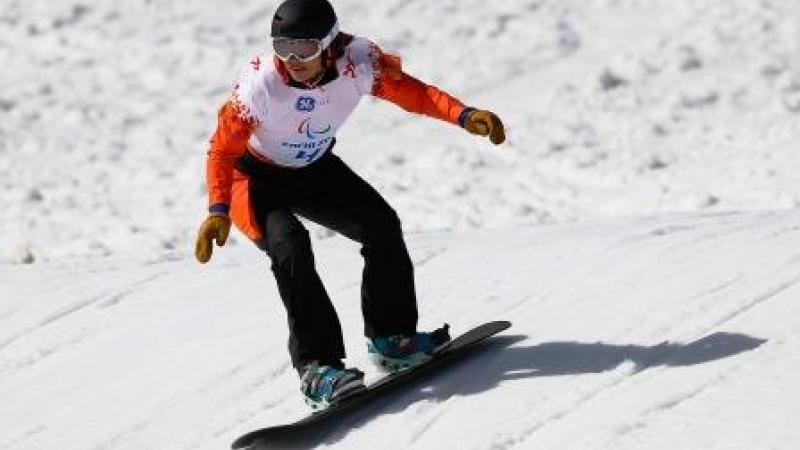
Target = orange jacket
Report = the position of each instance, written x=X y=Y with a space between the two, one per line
x=229 y=141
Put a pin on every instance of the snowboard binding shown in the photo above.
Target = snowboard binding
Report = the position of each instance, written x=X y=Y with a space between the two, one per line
x=325 y=385
x=399 y=352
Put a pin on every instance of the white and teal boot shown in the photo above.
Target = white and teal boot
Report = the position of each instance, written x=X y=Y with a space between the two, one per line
x=324 y=385
x=401 y=352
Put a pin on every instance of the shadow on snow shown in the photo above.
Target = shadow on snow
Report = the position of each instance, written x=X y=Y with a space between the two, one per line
x=499 y=360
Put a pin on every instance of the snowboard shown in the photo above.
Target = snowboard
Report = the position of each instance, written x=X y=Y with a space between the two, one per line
x=298 y=434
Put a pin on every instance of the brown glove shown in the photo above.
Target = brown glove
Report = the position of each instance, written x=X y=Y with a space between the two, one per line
x=485 y=123
x=216 y=226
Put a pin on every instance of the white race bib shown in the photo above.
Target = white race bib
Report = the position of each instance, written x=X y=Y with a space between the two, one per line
x=294 y=127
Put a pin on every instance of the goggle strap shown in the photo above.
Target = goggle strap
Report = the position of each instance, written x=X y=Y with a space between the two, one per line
x=328 y=40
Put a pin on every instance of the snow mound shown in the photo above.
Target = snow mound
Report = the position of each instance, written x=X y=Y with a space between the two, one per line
x=677 y=331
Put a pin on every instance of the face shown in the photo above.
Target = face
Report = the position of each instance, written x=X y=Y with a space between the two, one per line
x=304 y=72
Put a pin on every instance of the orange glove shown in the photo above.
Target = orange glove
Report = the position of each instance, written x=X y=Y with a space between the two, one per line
x=216 y=226
x=485 y=123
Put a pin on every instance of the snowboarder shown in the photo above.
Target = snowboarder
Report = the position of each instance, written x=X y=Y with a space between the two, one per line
x=271 y=160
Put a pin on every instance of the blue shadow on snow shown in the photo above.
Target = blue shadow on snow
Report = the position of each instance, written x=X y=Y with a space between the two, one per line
x=499 y=360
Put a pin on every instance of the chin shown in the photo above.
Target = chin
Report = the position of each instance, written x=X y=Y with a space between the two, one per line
x=301 y=77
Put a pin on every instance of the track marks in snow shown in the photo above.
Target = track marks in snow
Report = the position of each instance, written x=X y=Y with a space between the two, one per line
x=118 y=297
x=757 y=301
x=525 y=432
x=28 y=434
x=662 y=231
x=429 y=255
x=635 y=366
x=683 y=397
x=723 y=374
x=717 y=288
x=50 y=319
x=71 y=312
x=251 y=385
x=427 y=421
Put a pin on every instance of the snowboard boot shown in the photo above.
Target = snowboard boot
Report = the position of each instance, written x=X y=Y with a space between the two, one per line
x=324 y=385
x=401 y=352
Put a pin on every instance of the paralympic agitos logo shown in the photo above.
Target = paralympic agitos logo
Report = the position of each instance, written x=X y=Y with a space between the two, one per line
x=310 y=132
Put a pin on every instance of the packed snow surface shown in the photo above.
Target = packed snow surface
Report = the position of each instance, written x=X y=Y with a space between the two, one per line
x=637 y=227
x=676 y=332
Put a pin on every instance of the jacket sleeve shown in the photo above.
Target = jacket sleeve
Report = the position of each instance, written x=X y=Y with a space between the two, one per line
x=228 y=143
x=413 y=95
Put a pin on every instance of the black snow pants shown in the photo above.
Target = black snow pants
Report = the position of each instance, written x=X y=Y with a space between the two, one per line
x=329 y=193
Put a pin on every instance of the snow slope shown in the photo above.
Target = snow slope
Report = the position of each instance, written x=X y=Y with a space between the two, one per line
x=613 y=107
x=662 y=332
x=673 y=328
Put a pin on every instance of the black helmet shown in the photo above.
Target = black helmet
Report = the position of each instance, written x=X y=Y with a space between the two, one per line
x=304 y=19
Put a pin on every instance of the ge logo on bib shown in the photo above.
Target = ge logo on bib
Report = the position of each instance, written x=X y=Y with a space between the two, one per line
x=306 y=104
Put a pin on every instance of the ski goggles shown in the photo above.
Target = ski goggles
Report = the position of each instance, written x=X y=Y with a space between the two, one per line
x=303 y=50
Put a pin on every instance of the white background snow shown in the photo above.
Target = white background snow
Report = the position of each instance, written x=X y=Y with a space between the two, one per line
x=638 y=227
